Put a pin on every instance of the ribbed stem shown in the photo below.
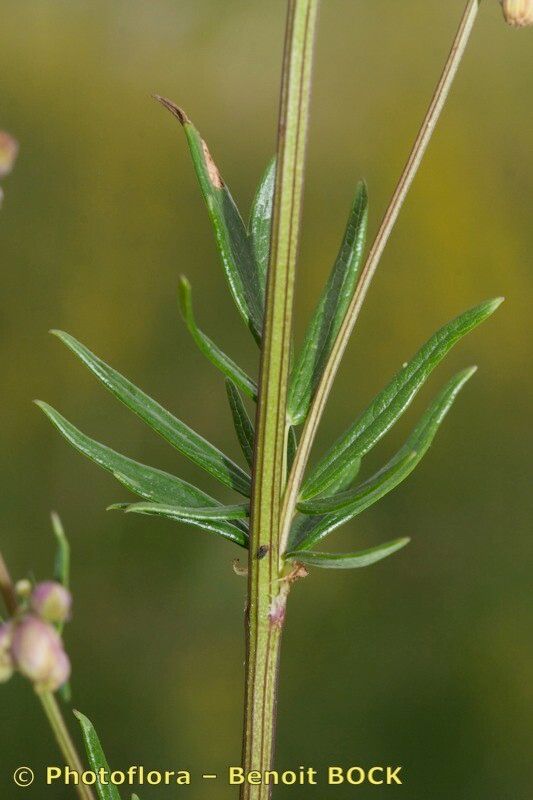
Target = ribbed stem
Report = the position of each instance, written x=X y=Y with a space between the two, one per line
x=391 y=215
x=267 y=591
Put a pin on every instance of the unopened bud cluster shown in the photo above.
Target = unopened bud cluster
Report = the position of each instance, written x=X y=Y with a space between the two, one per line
x=30 y=644
x=518 y=13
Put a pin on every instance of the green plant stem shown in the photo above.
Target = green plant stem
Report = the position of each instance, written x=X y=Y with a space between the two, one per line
x=267 y=590
x=47 y=699
x=391 y=215
x=64 y=741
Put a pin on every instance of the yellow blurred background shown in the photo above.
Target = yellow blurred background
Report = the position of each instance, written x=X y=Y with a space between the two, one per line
x=424 y=660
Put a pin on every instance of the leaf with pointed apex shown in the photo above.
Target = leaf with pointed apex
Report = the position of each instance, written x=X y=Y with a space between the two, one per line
x=365 y=558
x=62 y=559
x=390 y=403
x=236 y=533
x=232 y=237
x=148 y=482
x=260 y=226
x=179 y=435
x=241 y=421
x=152 y=484
x=340 y=508
x=97 y=759
x=330 y=312
x=217 y=357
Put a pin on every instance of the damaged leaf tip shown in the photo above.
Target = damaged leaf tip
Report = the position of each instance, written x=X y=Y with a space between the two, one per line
x=174 y=109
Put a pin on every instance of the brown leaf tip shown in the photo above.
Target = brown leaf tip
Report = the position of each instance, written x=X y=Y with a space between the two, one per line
x=214 y=175
x=175 y=110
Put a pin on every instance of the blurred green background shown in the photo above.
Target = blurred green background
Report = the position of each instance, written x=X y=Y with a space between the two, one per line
x=424 y=660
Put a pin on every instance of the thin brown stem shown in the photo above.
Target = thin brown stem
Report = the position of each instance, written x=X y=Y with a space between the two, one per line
x=391 y=215
x=7 y=588
x=66 y=745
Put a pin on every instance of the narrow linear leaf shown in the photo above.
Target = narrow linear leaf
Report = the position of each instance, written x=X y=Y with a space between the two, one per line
x=346 y=475
x=365 y=558
x=342 y=507
x=330 y=311
x=208 y=514
x=206 y=346
x=184 y=439
x=390 y=403
x=61 y=575
x=97 y=759
x=292 y=446
x=233 y=532
x=260 y=226
x=62 y=559
x=366 y=494
x=231 y=235
x=149 y=483
x=304 y=525
x=241 y=421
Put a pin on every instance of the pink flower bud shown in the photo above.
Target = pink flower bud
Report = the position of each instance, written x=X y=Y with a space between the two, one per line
x=518 y=13
x=51 y=601
x=38 y=653
x=6 y=662
x=8 y=153
x=60 y=672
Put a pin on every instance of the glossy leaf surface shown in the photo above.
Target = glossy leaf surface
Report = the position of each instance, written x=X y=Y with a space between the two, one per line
x=292 y=446
x=148 y=482
x=232 y=238
x=340 y=508
x=260 y=227
x=390 y=403
x=236 y=533
x=97 y=759
x=207 y=514
x=179 y=435
x=400 y=466
x=364 y=495
x=206 y=346
x=330 y=311
x=365 y=558
x=241 y=422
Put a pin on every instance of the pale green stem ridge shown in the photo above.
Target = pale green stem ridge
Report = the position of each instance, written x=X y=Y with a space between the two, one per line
x=391 y=215
x=64 y=741
x=267 y=593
